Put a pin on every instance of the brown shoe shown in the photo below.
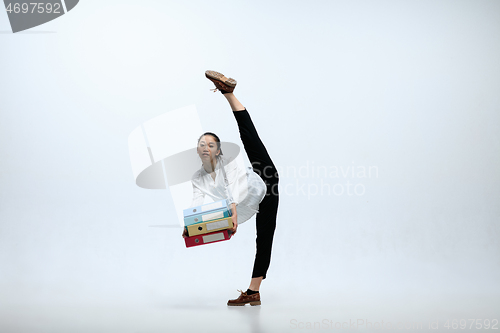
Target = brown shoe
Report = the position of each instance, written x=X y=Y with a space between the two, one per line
x=224 y=84
x=244 y=299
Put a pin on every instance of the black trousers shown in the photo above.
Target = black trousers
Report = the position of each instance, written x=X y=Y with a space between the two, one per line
x=268 y=208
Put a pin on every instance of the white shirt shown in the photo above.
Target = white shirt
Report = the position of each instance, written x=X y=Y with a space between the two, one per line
x=245 y=188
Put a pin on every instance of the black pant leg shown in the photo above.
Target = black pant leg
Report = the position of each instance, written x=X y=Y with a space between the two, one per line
x=255 y=149
x=265 y=225
x=268 y=208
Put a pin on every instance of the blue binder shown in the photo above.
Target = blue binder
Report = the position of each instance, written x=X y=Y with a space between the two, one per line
x=209 y=207
x=209 y=216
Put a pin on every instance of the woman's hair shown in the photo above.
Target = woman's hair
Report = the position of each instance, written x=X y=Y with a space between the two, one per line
x=216 y=138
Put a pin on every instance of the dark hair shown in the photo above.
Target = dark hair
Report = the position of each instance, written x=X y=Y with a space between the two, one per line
x=215 y=137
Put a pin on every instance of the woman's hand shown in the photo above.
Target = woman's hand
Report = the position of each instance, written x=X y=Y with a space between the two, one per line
x=234 y=217
x=185 y=233
x=235 y=225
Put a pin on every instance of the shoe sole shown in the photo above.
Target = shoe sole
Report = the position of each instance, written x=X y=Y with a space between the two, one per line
x=243 y=304
x=213 y=75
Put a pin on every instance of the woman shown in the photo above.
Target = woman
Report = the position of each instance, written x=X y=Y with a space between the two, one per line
x=257 y=194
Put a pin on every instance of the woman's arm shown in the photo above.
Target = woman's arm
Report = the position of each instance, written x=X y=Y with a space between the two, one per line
x=198 y=199
x=232 y=192
x=233 y=183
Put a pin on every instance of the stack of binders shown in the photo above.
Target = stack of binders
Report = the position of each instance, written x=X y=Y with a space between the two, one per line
x=208 y=223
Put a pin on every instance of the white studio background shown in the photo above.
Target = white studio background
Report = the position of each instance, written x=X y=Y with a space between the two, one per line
x=408 y=88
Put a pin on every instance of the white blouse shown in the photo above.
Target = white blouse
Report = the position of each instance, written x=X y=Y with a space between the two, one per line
x=246 y=189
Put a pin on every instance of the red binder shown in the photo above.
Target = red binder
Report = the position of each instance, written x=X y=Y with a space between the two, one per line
x=212 y=237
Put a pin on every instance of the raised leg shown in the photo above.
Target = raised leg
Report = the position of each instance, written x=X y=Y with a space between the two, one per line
x=233 y=101
x=268 y=208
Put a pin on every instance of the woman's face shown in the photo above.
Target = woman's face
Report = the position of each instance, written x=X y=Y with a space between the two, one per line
x=207 y=148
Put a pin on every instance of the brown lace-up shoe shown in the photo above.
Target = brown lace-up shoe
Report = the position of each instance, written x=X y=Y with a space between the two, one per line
x=244 y=299
x=224 y=84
